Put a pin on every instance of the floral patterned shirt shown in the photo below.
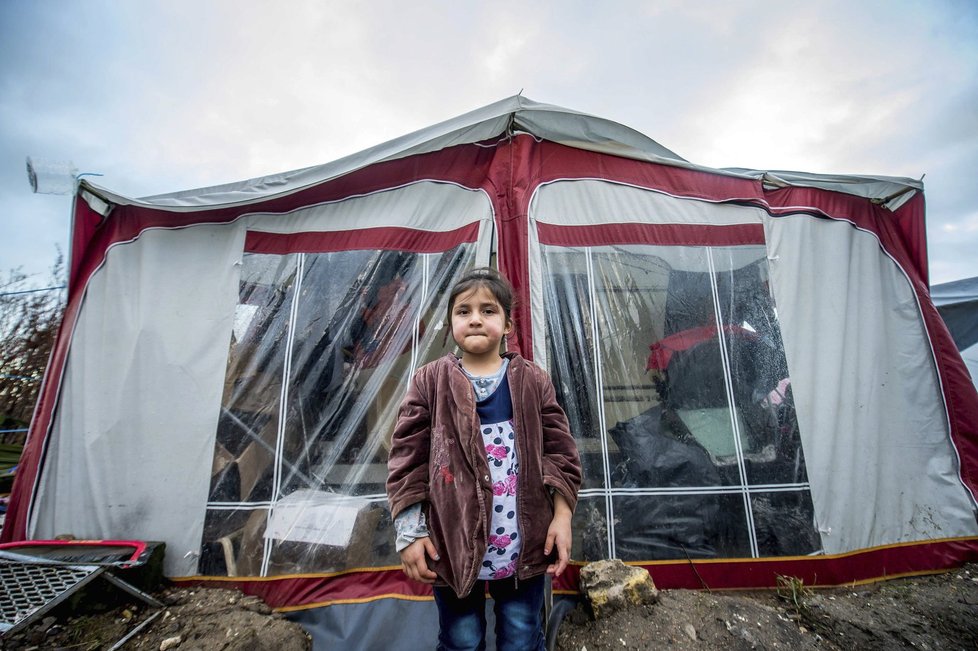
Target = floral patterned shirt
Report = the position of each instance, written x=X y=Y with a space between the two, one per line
x=495 y=409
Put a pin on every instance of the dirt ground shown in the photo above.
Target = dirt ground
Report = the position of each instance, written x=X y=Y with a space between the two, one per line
x=928 y=613
x=938 y=612
x=193 y=620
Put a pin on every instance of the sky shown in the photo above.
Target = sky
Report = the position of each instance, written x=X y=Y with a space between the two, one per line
x=166 y=96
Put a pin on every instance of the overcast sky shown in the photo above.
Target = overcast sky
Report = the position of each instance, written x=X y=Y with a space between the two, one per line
x=165 y=96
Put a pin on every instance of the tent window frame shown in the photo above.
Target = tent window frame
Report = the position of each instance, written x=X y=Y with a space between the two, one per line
x=607 y=493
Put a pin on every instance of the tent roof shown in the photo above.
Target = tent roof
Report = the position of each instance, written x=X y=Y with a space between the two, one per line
x=957 y=301
x=956 y=292
x=513 y=115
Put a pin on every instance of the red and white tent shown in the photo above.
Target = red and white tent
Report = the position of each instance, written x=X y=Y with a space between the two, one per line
x=232 y=357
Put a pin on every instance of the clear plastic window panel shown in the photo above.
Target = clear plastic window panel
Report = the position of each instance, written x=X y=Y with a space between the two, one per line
x=670 y=365
x=322 y=351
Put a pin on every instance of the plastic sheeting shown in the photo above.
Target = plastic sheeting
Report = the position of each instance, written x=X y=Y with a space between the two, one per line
x=322 y=350
x=784 y=378
x=670 y=363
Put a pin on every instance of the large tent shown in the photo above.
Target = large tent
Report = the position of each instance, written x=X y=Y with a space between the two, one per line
x=757 y=378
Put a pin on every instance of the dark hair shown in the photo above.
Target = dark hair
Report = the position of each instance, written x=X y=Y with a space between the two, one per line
x=489 y=278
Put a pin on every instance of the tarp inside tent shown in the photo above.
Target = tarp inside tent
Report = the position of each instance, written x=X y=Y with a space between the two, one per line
x=756 y=376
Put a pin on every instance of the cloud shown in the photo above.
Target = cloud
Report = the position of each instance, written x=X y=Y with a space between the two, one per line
x=965 y=224
x=505 y=53
x=167 y=96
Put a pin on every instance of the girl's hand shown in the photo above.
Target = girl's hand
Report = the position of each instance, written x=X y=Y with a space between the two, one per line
x=414 y=560
x=559 y=534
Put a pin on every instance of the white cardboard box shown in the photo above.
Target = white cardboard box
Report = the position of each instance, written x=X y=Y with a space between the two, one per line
x=316 y=517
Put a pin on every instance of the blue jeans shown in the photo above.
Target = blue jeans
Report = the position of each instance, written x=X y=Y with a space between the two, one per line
x=518 y=609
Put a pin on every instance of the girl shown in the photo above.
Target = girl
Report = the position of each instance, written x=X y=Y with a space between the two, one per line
x=483 y=476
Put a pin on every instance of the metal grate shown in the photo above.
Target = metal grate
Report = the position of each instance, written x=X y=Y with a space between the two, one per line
x=27 y=590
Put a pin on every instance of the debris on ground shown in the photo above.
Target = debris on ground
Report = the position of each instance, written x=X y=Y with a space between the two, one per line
x=926 y=613
x=611 y=585
x=930 y=612
x=193 y=619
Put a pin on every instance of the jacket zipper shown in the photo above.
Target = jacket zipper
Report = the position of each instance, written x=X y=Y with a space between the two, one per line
x=477 y=443
x=519 y=418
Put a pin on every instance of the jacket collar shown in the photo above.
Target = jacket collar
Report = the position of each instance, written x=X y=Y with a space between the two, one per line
x=509 y=354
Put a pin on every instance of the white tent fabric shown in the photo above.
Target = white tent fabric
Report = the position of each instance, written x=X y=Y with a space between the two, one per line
x=153 y=338
x=957 y=302
x=889 y=191
x=164 y=334
x=853 y=336
x=425 y=205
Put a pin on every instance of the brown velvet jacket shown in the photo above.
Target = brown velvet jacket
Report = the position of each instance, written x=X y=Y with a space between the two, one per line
x=437 y=457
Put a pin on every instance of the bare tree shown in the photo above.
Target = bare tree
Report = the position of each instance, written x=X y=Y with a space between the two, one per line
x=29 y=320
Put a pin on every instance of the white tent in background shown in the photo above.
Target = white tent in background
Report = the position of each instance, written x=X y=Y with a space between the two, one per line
x=957 y=301
x=755 y=373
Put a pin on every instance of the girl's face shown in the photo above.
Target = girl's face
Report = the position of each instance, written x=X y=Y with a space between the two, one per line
x=479 y=322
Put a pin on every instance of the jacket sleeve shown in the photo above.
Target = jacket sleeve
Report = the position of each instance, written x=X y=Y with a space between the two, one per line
x=407 y=463
x=561 y=461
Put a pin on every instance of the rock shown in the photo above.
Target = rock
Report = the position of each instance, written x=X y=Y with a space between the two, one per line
x=256 y=605
x=170 y=643
x=611 y=585
x=740 y=631
x=689 y=630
